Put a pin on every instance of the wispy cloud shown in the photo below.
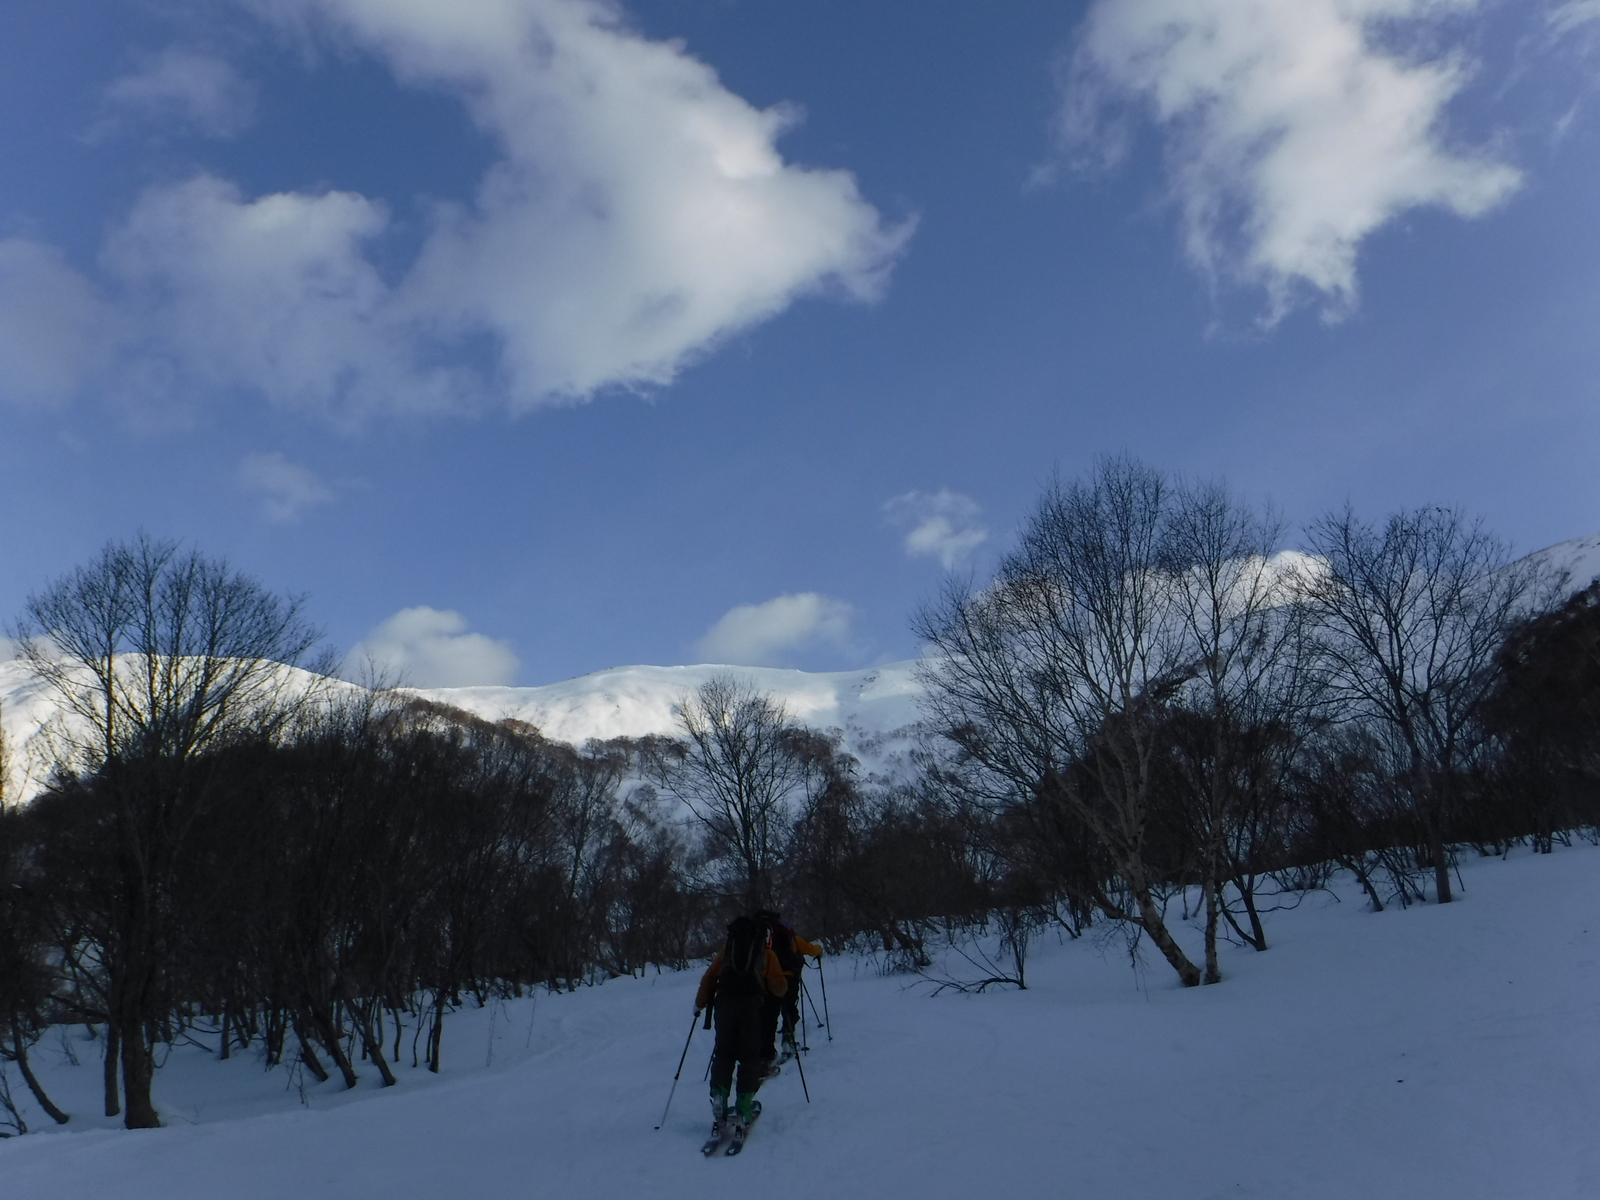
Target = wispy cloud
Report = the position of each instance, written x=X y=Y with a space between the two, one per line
x=1293 y=128
x=638 y=214
x=759 y=635
x=178 y=88
x=286 y=490
x=1573 y=13
x=942 y=525
x=430 y=647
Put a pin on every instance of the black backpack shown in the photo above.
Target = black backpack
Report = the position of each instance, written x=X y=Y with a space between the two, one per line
x=744 y=957
x=782 y=943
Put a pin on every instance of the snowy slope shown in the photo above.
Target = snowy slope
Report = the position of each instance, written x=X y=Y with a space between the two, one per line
x=26 y=706
x=873 y=710
x=37 y=727
x=1437 y=1053
x=1578 y=559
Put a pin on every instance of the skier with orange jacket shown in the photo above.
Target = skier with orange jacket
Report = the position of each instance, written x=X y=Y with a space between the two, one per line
x=743 y=977
x=792 y=950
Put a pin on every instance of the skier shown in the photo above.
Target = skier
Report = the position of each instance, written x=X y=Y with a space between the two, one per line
x=744 y=973
x=792 y=951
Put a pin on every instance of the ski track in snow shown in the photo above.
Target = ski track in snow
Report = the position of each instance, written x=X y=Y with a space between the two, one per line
x=1435 y=1052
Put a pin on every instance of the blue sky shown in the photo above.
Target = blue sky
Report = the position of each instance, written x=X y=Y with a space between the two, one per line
x=531 y=337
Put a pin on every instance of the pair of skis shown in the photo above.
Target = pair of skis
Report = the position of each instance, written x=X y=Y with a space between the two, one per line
x=730 y=1137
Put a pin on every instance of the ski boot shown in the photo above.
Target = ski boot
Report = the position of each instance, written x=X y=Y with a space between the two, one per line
x=744 y=1116
x=722 y=1122
x=790 y=1048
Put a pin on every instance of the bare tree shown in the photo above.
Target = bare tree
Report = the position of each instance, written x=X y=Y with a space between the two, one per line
x=158 y=657
x=1412 y=616
x=1252 y=690
x=1055 y=679
x=737 y=770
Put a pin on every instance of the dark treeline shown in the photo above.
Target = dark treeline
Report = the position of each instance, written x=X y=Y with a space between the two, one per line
x=1149 y=717
x=360 y=874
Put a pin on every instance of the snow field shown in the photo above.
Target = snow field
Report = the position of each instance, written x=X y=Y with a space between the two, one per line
x=1446 y=1052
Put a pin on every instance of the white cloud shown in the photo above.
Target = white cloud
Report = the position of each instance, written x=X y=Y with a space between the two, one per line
x=757 y=635
x=641 y=211
x=53 y=329
x=942 y=525
x=286 y=490
x=180 y=87
x=430 y=647
x=638 y=214
x=1292 y=131
x=273 y=294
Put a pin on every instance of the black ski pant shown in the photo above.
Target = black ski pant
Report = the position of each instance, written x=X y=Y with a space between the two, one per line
x=741 y=1038
x=783 y=1009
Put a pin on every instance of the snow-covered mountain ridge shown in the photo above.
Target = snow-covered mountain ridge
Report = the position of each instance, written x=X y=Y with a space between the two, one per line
x=873 y=710
x=1578 y=560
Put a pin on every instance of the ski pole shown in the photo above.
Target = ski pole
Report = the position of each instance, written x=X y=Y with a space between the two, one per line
x=800 y=1061
x=827 y=1021
x=681 y=1058
x=806 y=992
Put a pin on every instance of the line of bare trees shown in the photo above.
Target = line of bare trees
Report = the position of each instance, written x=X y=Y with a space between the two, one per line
x=346 y=883
x=239 y=850
x=1150 y=697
